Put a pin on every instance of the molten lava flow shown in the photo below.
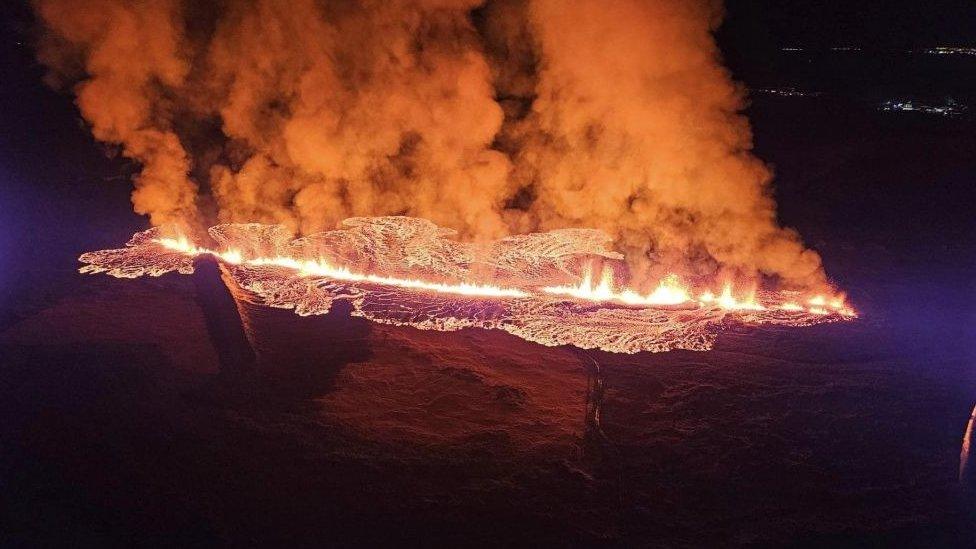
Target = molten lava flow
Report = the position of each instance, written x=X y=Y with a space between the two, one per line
x=669 y=291
x=400 y=270
x=320 y=268
x=727 y=300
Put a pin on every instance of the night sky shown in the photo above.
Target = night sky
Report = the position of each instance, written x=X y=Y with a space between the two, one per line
x=755 y=25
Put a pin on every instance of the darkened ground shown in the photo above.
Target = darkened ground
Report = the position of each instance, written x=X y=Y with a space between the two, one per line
x=131 y=412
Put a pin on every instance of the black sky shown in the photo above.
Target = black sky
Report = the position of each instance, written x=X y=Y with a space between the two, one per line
x=882 y=24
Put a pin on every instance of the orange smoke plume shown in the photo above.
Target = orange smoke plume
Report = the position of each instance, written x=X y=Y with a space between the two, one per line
x=492 y=117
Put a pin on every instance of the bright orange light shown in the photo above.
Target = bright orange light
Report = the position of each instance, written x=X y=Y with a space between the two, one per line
x=595 y=311
x=321 y=268
x=669 y=291
x=726 y=300
x=821 y=305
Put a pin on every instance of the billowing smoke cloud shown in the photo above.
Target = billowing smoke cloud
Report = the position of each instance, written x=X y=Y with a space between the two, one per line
x=489 y=117
x=129 y=58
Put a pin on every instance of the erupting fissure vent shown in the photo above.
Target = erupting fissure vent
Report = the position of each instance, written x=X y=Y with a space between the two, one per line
x=408 y=271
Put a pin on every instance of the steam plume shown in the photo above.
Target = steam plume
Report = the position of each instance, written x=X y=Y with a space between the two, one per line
x=490 y=117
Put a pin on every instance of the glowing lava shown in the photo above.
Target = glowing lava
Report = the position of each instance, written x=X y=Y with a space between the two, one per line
x=669 y=292
x=726 y=300
x=320 y=268
x=406 y=271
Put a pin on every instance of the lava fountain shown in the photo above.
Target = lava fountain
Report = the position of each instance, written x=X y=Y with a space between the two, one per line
x=408 y=271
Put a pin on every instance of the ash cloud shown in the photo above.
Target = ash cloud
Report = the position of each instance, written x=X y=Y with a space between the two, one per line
x=491 y=117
